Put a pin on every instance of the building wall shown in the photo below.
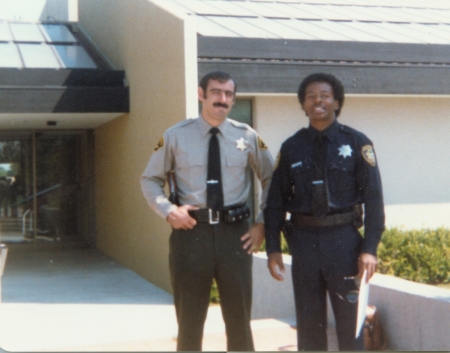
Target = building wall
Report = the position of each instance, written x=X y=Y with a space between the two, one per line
x=410 y=135
x=134 y=35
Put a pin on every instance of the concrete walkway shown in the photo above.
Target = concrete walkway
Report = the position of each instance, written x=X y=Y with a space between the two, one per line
x=63 y=297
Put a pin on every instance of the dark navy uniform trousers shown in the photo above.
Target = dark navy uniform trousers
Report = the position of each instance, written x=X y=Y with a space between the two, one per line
x=321 y=258
x=196 y=257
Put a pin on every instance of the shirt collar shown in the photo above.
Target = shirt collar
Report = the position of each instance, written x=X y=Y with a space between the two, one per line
x=330 y=132
x=205 y=127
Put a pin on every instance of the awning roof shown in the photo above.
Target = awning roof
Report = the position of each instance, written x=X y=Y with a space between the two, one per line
x=374 y=46
x=34 y=45
x=368 y=21
x=48 y=72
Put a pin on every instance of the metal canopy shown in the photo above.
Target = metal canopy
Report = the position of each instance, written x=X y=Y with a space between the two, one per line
x=62 y=91
x=5 y=33
x=9 y=55
x=26 y=32
x=46 y=69
x=57 y=33
x=74 y=56
x=45 y=45
x=38 y=56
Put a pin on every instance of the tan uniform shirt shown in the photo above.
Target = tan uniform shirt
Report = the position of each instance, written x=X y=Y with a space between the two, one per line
x=184 y=148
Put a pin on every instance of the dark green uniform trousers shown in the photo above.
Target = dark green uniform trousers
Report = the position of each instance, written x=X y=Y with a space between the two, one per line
x=196 y=257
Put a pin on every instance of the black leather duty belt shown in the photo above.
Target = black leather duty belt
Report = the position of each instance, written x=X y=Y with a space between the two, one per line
x=339 y=219
x=228 y=215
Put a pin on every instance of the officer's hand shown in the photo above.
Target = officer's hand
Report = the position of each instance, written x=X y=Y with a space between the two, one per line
x=180 y=218
x=276 y=266
x=253 y=238
x=367 y=262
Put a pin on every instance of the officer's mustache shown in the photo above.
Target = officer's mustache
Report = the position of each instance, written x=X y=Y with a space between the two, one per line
x=218 y=104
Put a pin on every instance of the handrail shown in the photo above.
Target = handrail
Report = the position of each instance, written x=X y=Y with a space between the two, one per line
x=3 y=254
x=24 y=221
x=43 y=192
x=40 y=193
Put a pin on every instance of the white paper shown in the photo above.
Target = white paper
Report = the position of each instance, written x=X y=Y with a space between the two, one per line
x=363 y=300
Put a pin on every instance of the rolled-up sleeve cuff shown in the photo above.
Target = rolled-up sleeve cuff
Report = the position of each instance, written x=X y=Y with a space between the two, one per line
x=260 y=218
x=165 y=209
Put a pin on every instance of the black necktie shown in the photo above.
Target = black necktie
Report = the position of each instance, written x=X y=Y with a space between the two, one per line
x=214 y=191
x=319 y=204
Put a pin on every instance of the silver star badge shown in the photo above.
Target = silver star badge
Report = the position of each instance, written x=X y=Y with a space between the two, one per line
x=241 y=144
x=345 y=151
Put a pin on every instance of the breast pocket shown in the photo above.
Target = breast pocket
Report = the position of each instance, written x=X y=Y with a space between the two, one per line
x=189 y=159
x=302 y=177
x=237 y=159
x=236 y=165
x=342 y=180
x=190 y=168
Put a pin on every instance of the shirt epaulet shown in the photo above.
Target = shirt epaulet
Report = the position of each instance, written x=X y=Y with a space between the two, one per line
x=348 y=130
x=240 y=125
x=182 y=124
x=301 y=131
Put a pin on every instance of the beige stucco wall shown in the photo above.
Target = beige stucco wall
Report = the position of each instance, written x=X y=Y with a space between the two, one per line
x=158 y=52
x=410 y=135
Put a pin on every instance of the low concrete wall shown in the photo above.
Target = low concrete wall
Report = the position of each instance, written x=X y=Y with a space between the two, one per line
x=271 y=298
x=414 y=316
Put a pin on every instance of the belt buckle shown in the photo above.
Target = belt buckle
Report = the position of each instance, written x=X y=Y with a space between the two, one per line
x=213 y=218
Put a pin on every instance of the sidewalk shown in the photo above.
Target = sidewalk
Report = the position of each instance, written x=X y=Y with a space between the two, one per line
x=76 y=299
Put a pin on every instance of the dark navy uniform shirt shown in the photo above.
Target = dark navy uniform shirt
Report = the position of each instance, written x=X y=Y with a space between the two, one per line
x=352 y=177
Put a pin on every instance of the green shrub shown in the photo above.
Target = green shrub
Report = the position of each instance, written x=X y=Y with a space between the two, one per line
x=284 y=246
x=214 y=296
x=416 y=255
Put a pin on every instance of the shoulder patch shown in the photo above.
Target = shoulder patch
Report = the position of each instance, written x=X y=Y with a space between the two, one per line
x=277 y=161
x=369 y=155
x=261 y=144
x=159 y=144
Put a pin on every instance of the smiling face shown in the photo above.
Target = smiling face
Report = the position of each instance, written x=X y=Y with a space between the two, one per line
x=217 y=101
x=319 y=104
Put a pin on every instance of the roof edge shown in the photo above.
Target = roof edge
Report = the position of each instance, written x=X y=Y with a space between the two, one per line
x=315 y=50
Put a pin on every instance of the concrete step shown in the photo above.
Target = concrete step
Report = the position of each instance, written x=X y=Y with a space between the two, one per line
x=9 y=224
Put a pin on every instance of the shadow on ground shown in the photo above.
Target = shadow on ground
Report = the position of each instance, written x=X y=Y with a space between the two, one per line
x=71 y=273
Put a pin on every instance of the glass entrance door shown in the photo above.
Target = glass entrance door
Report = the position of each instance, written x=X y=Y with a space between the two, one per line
x=43 y=186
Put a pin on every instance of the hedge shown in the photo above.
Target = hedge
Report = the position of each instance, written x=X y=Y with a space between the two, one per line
x=417 y=255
